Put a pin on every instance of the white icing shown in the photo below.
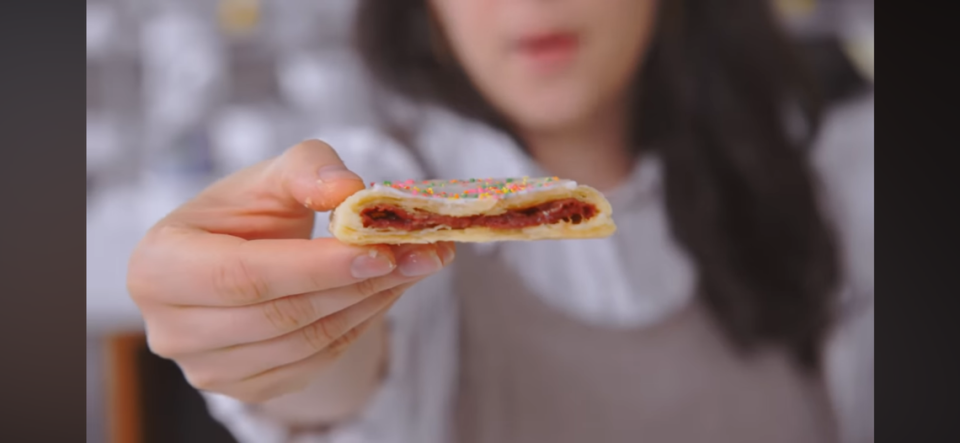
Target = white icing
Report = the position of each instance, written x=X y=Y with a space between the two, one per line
x=468 y=191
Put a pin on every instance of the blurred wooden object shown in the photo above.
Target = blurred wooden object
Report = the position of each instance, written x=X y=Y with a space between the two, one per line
x=148 y=400
x=123 y=398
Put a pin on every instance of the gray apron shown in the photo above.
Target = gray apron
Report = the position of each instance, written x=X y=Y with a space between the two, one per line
x=529 y=373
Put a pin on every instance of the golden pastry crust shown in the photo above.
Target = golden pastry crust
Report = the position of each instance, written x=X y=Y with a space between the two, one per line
x=346 y=222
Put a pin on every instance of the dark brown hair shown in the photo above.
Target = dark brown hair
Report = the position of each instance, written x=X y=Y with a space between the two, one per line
x=711 y=100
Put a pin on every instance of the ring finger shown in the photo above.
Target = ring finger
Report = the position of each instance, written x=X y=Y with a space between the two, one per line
x=239 y=362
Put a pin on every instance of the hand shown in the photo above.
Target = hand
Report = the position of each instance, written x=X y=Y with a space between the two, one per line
x=233 y=289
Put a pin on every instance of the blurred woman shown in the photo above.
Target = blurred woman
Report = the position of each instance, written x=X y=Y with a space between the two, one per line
x=702 y=319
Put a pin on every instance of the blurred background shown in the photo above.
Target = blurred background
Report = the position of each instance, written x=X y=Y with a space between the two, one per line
x=180 y=92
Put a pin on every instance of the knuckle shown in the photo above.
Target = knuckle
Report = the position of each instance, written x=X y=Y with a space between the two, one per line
x=139 y=287
x=140 y=280
x=236 y=283
x=340 y=345
x=202 y=380
x=289 y=313
x=161 y=345
x=367 y=288
x=145 y=275
x=322 y=332
x=395 y=291
x=138 y=283
x=316 y=280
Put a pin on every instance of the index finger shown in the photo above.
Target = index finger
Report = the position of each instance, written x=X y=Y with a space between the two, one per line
x=181 y=266
x=310 y=173
x=275 y=198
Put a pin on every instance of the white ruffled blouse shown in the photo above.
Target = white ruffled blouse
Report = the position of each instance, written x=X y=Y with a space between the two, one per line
x=634 y=278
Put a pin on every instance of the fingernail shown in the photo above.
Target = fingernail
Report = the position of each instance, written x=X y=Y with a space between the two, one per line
x=447 y=253
x=371 y=264
x=422 y=261
x=335 y=172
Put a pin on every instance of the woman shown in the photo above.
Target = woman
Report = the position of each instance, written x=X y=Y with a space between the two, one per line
x=702 y=319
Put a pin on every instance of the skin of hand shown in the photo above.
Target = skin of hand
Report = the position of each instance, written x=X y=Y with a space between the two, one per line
x=233 y=289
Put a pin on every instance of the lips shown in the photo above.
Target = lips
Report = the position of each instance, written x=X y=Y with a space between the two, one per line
x=549 y=49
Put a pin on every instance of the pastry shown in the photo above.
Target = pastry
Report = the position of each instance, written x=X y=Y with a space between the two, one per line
x=474 y=210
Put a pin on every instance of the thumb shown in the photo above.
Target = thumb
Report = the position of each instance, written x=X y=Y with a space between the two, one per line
x=311 y=174
x=307 y=177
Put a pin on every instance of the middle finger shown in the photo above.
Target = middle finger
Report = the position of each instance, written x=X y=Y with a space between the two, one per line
x=201 y=328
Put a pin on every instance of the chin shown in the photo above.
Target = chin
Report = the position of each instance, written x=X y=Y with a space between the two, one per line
x=549 y=118
x=541 y=108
